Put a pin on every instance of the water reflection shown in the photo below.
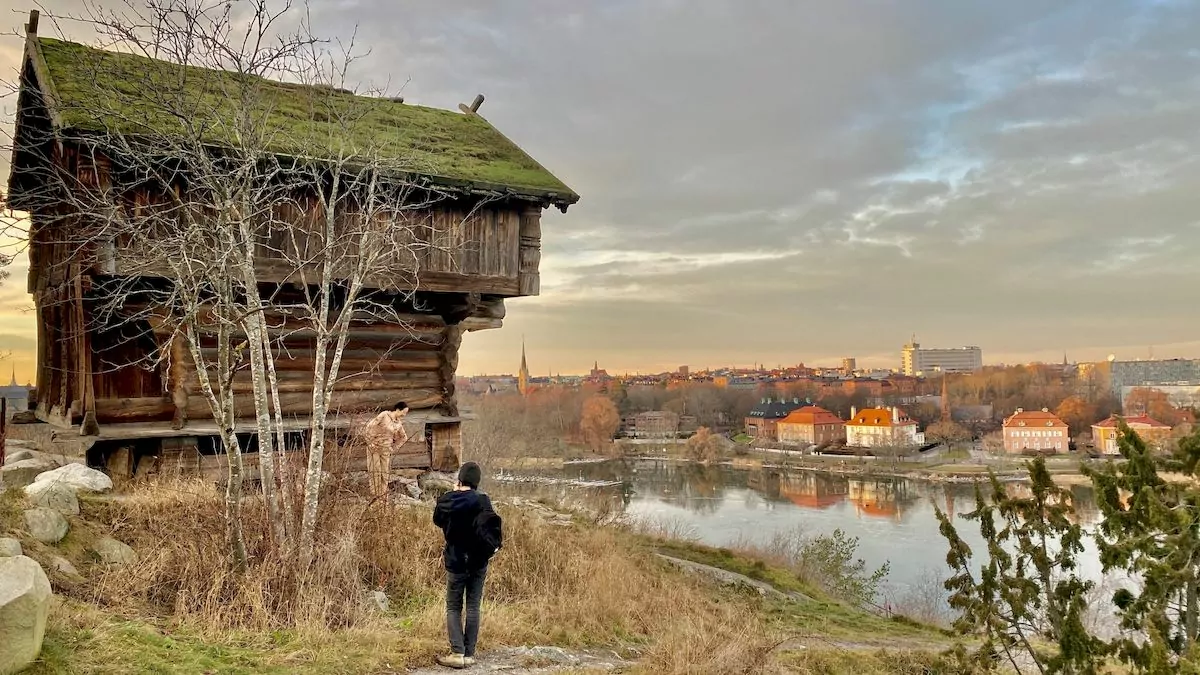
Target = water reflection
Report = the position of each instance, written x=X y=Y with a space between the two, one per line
x=893 y=518
x=705 y=489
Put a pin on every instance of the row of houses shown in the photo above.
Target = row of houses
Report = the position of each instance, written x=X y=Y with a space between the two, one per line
x=790 y=422
x=802 y=424
x=1042 y=431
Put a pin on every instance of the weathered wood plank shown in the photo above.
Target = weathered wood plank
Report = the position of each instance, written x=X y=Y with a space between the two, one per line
x=295 y=381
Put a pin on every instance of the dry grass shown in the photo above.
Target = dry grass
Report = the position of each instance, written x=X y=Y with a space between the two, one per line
x=579 y=586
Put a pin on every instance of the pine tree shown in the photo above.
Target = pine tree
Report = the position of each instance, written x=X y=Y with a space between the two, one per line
x=1027 y=602
x=1151 y=531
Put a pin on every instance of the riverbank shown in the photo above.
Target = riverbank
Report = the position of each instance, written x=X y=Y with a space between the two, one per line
x=563 y=581
x=1065 y=471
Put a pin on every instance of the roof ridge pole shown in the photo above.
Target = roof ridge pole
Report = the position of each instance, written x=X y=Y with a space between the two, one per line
x=31 y=27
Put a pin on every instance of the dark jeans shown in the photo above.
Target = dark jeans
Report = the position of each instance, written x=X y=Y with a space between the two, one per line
x=458 y=584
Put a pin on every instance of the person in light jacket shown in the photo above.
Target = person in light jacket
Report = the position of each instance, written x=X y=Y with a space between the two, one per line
x=384 y=435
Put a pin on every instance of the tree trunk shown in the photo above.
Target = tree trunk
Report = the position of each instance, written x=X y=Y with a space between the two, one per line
x=1190 y=619
x=259 y=353
x=221 y=402
x=286 y=486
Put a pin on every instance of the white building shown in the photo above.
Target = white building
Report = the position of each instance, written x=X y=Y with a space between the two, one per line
x=917 y=361
x=877 y=427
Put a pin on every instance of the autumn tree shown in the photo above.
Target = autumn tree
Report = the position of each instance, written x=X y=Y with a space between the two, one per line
x=1152 y=402
x=599 y=421
x=1078 y=413
x=704 y=446
x=947 y=432
x=1027 y=591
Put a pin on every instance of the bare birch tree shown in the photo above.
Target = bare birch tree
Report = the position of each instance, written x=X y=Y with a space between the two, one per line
x=192 y=178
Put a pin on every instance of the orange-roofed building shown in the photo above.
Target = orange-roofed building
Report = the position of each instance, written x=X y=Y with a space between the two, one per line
x=1035 y=430
x=1150 y=430
x=811 y=425
x=881 y=427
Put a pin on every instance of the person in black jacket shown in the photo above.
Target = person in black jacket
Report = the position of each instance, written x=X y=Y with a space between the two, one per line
x=473 y=535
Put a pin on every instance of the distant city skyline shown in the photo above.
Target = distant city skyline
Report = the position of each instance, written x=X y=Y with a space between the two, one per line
x=551 y=359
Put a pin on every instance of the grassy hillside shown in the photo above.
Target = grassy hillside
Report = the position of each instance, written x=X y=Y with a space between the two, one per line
x=179 y=610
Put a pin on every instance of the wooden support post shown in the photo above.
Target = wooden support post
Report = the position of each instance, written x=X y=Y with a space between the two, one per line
x=177 y=376
x=42 y=377
x=32 y=26
x=447 y=366
x=528 y=277
x=83 y=347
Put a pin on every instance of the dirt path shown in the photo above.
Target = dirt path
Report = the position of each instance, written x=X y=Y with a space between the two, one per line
x=728 y=578
x=539 y=661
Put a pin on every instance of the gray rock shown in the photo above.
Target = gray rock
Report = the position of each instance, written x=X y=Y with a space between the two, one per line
x=78 y=477
x=13 y=456
x=9 y=547
x=46 y=525
x=407 y=487
x=435 y=483
x=64 y=567
x=113 y=552
x=53 y=495
x=23 y=472
x=377 y=601
x=24 y=607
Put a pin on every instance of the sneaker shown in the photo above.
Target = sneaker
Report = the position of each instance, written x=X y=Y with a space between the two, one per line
x=469 y=660
x=453 y=661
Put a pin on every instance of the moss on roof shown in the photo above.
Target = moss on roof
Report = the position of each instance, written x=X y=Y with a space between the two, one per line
x=99 y=90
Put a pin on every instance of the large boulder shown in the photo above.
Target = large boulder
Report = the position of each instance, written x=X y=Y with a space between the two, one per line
x=46 y=525
x=113 y=552
x=23 y=472
x=78 y=477
x=24 y=606
x=9 y=547
x=53 y=495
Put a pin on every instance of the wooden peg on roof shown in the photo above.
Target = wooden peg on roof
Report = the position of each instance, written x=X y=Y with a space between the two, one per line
x=473 y=108
x=31 y=27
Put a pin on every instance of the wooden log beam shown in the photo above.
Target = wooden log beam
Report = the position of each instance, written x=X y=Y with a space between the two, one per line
x=356 y=362
x=302 y=381
x=433 y=280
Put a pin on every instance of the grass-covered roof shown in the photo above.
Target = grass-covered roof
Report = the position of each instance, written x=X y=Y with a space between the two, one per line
x=98 y=90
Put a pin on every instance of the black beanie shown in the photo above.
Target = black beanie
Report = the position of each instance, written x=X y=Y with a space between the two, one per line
x=470 y=474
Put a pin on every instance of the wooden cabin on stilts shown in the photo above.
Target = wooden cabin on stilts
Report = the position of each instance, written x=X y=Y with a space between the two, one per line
x=118 y=371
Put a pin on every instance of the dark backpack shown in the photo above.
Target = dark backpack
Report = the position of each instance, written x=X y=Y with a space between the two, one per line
x=489 y=536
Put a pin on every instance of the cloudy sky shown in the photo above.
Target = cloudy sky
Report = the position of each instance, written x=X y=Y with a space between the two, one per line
x=771 y=181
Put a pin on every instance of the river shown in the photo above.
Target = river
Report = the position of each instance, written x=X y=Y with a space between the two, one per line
x=893 y=518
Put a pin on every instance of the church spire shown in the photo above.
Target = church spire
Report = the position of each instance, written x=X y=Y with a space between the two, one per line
x=945 y=397
x=523 y=374
x=14 y=376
